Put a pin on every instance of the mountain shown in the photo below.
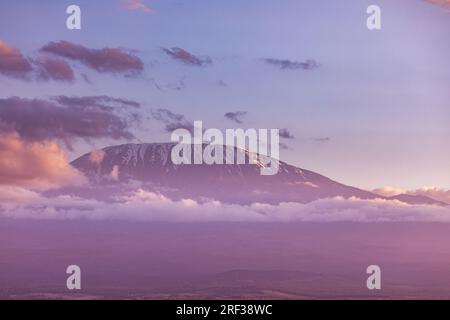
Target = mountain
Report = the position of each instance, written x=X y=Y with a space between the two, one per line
x=417 y=199
x=150 y=164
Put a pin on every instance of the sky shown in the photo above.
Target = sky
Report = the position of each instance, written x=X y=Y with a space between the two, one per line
x=366 y=108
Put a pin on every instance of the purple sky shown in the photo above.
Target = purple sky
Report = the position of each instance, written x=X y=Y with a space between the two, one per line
x=367 y=108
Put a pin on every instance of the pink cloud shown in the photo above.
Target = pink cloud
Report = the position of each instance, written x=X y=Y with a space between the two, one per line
x=443 y=3
x=55 y=69
x=137 y=5
x=12 y=62
x=36 y=164
x=15 y=194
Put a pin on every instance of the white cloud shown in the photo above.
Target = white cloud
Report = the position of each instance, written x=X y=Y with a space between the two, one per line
x=388 y=191
x=13 y=194
x=144 y=205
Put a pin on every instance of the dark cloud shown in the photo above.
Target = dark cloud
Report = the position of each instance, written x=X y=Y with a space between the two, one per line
x=178 y=86
x=86 y=78
x=114 y=60
x=235 y=116
x=103 y=102
x=322 y=139
x=124 y=107
x=286 y=134
x=293 y=65
x=222 y=83
x=172 y=121
x=41 y=120
x=54 y=69
x=12 y=62
x=186 y=57
x=284 y=146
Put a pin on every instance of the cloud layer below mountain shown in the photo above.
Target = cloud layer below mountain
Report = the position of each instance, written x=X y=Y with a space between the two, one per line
x=142 y=205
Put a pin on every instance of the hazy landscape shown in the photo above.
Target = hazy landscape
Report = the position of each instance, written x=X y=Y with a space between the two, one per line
x=229 y=261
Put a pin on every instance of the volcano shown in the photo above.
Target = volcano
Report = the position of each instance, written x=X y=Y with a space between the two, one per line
x=149 y=165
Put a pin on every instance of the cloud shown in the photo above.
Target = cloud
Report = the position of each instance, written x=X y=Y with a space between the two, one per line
x=284 y=146
x=322 y=139
x=113 y=60
x=137 y=5
x=186 y=57
x=222 y=83
x=286 y=134
x=97 y=156
x=86 y=78
x=40 y=120
x=293 y=65
x=435 y=193
x=54 y=69
x=114 y=174
x=35 y=164
x=235 y=116
x=102 y=102
x=143 y=205
x=172 y=121
x=443 y=3
x=388 y=191
x=12 y=62
x=15 y=194
x=179 y=86
x=440 y=2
